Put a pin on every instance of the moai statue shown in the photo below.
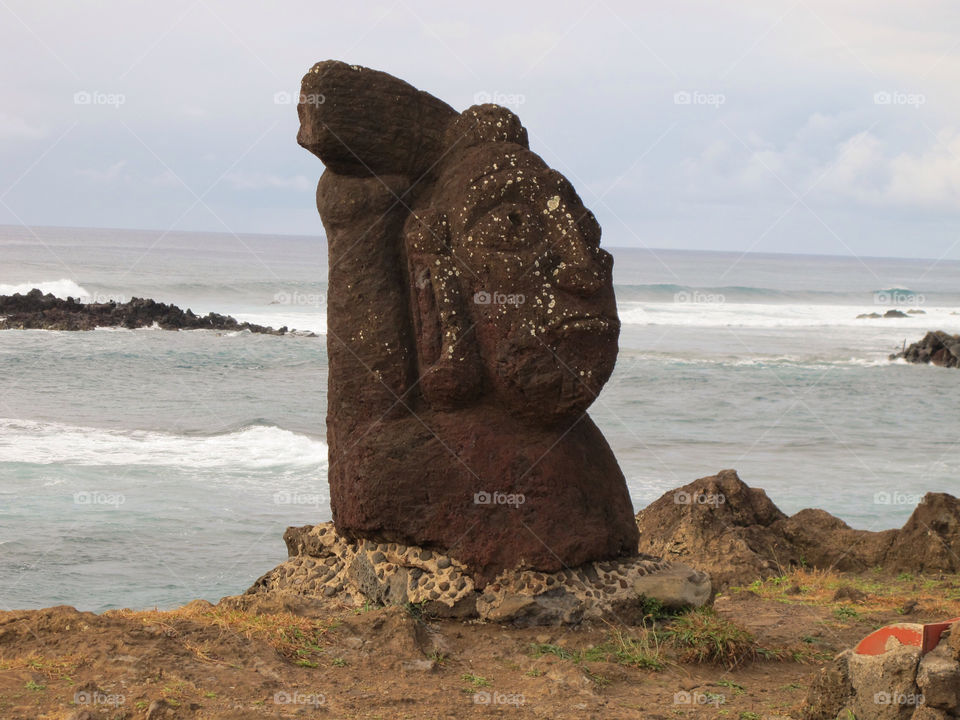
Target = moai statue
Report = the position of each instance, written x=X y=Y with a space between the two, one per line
x=471 y=323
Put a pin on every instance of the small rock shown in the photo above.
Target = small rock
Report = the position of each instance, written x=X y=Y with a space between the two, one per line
x=848 y=592
x=938 y=678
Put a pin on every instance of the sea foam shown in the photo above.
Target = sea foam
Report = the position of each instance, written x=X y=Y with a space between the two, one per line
x=255 y=447
x=62 y=288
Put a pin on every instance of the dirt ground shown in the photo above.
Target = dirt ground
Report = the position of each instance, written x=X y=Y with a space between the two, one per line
x=752 y=657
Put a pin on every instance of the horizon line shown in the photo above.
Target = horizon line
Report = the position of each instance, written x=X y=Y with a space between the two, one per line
x=322 y=236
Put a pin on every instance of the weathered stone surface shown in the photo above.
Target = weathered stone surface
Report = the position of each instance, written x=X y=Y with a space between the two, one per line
x=830 y=691
x=471 y=323
x=930 y=539
x=720 y=525
x=325 y=565
x=885 y=686
x=676 y=586
x=938 y=678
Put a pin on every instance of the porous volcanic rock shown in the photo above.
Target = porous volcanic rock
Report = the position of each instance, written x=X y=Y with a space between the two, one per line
x=472 y=321
x=930 y=539
x=900 y=683
x=325 y=566
x=36 y=311
x=721 y=526
x=937 y=348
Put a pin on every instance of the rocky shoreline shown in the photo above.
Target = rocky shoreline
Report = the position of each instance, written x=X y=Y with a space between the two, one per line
x=36 y=311
x=936 y=348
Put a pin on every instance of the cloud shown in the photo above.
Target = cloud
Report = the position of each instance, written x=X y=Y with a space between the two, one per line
x=15 y=128
x=103 y=176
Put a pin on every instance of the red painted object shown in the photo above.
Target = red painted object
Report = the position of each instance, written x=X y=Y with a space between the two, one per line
x=926 y=637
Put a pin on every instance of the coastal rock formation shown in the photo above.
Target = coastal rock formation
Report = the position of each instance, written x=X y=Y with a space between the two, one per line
x=937 y=348
x=889 y=314
x=720 y=525
x=325 y=565
x=36 y=311
x=471 y=323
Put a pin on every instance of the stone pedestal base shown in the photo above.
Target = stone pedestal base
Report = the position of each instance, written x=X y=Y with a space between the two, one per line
x=322 y=564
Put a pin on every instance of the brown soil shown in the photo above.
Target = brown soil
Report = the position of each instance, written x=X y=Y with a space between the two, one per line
x=204 y=661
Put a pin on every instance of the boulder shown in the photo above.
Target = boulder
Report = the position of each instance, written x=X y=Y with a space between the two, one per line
x=830 y=690
x=720 y=525
x=930 y=539
x=885 y=686
x=938 y=679
x=937 y=348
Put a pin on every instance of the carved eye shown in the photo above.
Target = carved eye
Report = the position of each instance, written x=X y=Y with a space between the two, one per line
x=507 y=227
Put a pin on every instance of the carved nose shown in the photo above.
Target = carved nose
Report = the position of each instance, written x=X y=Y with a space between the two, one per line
x=581 y=269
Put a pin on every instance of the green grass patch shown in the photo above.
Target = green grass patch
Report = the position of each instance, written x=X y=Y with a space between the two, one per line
x=705 y=637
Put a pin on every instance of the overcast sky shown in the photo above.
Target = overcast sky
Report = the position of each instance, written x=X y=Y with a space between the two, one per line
x=770 y=126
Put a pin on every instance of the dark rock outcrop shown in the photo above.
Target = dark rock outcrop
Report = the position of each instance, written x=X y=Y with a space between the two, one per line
x=938 y=348
x=720 y=525
x=36 y=311
x=471 y=322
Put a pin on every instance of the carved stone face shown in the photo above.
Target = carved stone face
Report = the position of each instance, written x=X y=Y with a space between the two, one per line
x=535 y=281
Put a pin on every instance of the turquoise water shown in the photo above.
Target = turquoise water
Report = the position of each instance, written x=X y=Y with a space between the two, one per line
x=147 y=468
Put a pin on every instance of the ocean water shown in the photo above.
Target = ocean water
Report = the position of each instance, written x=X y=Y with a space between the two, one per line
x=147 y=468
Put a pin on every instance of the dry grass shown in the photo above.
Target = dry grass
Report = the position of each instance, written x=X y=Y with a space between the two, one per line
x=54 y=669
x=933 y=596
x=298 y=639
